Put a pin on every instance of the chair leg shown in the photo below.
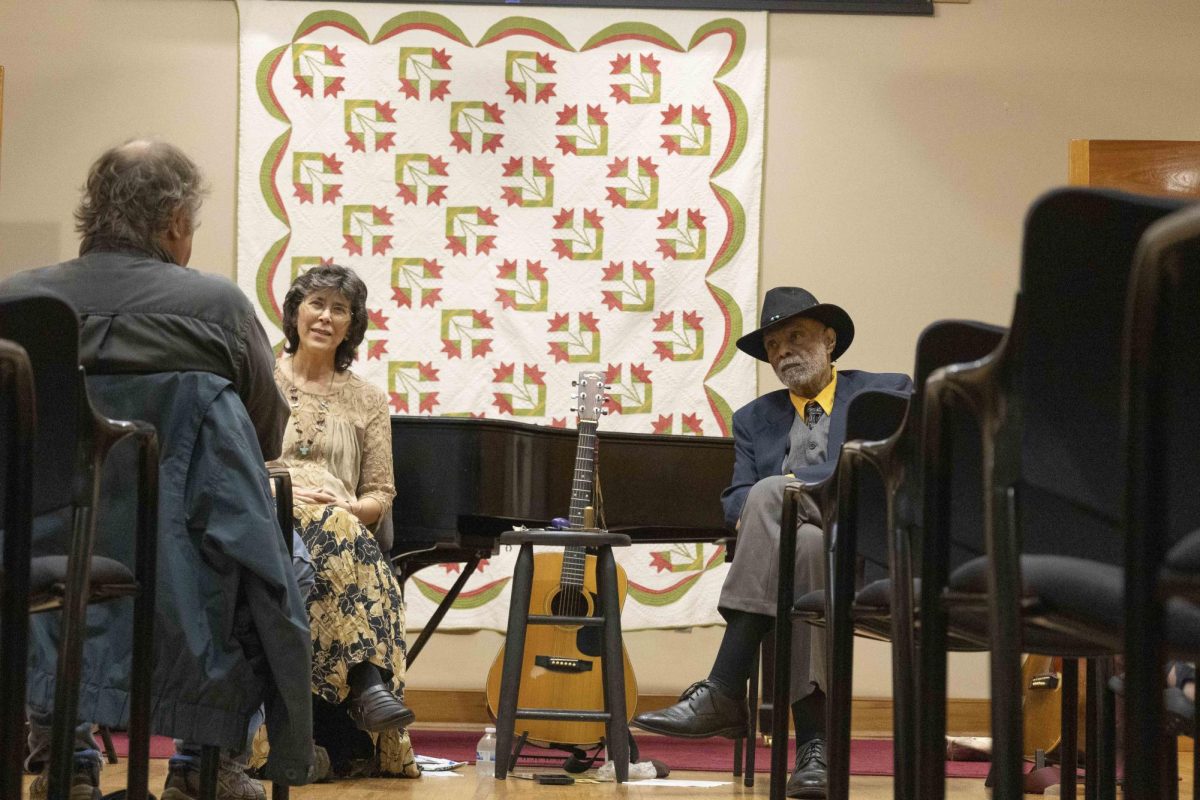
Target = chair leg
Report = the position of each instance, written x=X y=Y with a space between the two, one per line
x=142 y=665
x=1107 y=724
x=1171 y=773
x=1094 y=733
x=110 y=749
x=904 y=660
x=1070 y=729
x=1195 y=765
x=613 y=665
x=1004 y=624
x=14 y=636
x=931 y=668
x=514 y=652
x=781 y=700
x=210 y=761
x=70 y=655
x=280 y=791
x=752 y=724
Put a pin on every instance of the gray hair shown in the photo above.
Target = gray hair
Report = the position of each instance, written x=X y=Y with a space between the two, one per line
x=342 y=280
x=132 y=192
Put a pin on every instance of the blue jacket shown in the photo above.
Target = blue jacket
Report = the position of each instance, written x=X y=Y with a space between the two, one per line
x=761 y=427
x=231 y=630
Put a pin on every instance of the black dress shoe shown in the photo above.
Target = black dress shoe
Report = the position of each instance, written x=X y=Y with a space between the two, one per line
x=377 y=709
x=703 y=710
x=811 y=778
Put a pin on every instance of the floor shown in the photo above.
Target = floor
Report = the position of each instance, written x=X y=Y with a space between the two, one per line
x=468 y=787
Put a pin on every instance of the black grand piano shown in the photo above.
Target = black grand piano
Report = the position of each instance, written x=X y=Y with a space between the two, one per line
x=462 y=482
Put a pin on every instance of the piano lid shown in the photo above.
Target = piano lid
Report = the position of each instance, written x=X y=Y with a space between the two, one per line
x=451 y=471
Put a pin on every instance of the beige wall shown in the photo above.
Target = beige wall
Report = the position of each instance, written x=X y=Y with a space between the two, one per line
x=901 y=156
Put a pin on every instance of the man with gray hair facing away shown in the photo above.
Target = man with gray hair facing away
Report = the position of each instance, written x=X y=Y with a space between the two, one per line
x=788 y=434
x=143 y=312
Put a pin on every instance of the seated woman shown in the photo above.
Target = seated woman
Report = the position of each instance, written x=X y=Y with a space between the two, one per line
x=338 y=450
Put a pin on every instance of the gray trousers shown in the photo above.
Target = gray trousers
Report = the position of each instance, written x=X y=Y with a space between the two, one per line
x=39 y=726
x=752 y=583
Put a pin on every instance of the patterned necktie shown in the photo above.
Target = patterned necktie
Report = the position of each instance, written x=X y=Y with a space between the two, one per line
x=812 y=413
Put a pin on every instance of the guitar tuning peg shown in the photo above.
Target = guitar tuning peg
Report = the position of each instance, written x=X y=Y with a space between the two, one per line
x=604 y=412
x=574 y=409
x=608 y=387
x=574 y=383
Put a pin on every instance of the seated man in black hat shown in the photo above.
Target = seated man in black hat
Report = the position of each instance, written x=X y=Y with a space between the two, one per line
x=784 y=435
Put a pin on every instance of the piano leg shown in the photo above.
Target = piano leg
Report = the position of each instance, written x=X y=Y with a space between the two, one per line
x=441 y=610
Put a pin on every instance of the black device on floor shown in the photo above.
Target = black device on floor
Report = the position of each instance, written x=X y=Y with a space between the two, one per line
x=553 y=779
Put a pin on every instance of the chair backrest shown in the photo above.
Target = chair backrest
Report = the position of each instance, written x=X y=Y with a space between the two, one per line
x=951 y=341
x=47 y=327
x=873 y=415
x=17 y=424
x=1163 y=379
x=1061 y=368
x=941 y=344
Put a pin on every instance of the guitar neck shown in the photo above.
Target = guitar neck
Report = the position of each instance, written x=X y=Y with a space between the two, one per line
x=581 y=483
x=581 y=497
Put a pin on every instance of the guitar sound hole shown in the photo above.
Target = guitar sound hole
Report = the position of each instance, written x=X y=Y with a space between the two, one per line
x=571 y=601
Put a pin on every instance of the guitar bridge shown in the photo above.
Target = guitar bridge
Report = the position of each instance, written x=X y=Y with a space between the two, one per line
x=559 y=664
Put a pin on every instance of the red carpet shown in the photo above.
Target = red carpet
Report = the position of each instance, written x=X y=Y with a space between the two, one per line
x=160 y=746
x=867 y=756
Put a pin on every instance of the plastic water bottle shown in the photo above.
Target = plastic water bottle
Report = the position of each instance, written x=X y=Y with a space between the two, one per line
x=485 y=754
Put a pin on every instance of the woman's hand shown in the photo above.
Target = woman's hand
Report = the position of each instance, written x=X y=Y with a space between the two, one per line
x=314 y=497
x=318 y=497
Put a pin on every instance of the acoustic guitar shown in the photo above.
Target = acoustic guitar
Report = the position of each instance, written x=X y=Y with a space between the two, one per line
x=1041 y=684
x=562 y=664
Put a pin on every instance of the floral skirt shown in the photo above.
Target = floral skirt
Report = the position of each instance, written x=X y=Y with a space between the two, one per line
x=356 y=614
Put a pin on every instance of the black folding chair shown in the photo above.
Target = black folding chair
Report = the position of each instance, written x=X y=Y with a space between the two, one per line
x=16 y=494
x=877 y=489
x=1162 y=566
x=869 y=415
x=69 y=447
x=1043 y=412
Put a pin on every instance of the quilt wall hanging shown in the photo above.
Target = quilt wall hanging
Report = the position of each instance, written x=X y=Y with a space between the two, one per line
x=526 y=196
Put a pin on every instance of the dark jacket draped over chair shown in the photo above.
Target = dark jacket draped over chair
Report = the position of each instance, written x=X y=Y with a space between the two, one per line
x=231 y=628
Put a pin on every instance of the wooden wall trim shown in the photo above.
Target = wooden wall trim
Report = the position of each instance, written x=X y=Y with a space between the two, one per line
x=870 y=716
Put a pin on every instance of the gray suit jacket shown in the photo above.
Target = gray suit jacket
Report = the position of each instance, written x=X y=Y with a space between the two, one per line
x=141 y=315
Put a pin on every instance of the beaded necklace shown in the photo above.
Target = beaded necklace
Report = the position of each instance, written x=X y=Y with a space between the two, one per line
x=304 y=446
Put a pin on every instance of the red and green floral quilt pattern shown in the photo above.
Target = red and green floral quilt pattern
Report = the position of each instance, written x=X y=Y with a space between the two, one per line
x=526 y=196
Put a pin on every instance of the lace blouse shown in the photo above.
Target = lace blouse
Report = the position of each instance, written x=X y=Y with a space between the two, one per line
x=340 y=442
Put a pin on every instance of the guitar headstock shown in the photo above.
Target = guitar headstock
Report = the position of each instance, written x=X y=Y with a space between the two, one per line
x=590 y=396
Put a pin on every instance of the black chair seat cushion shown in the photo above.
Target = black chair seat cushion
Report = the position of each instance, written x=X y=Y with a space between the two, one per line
x=48 y=577
x=810 y=605
x=872 y=607
x=1089 y=594
x=1184 y=556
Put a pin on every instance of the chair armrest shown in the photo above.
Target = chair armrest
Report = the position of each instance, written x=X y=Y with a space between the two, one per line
x=281 y=480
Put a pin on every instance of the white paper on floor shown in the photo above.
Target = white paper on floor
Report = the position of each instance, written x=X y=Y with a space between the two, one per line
x=685 y=783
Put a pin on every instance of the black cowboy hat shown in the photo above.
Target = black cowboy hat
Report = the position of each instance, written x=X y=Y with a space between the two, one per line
x=788 y=302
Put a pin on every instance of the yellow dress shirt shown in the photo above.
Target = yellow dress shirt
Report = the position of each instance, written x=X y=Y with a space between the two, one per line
x=824 y=397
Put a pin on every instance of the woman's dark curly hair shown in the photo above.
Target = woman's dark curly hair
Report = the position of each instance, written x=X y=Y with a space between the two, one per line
x=320 y=279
